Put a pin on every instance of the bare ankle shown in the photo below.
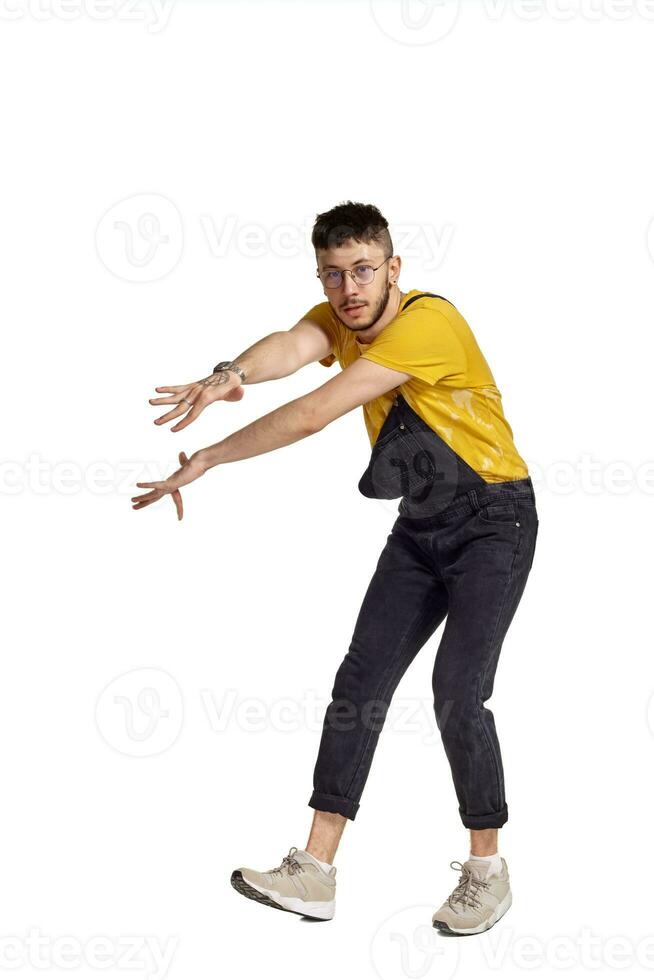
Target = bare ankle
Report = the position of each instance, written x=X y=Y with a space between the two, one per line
x=483 y=842
x=325 y=835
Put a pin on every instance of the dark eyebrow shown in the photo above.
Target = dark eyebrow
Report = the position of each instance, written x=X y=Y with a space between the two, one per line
x=364 y=259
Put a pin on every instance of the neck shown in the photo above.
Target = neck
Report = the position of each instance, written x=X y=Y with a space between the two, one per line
x=395 y=298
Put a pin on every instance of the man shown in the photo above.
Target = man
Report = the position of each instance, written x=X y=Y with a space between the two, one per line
x=461 y=547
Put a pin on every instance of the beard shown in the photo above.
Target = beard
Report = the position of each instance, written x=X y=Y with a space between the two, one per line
x=374 y=315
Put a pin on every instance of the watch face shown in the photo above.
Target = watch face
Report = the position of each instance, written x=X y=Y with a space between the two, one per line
x=229 y=365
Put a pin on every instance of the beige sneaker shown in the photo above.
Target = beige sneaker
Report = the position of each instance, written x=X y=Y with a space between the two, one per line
x=299 y=885
x=477 y=902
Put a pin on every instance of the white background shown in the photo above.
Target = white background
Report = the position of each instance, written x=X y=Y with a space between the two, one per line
x=510 y=147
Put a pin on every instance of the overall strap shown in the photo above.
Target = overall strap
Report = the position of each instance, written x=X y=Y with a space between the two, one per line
x=420 y=296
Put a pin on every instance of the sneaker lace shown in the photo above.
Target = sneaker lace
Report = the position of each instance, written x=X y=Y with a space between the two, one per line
x=289 y=864
x=469 y=888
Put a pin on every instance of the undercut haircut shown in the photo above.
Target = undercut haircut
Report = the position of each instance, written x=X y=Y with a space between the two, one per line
x=351 y=221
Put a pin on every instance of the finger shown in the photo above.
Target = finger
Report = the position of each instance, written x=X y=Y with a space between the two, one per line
x=176 y=388
x=157 y=485
x=173 y=414
x=153 y=495
x=170 y=400
x=177 y=497
x=191 y=417
x=143 y=501
x=183 y=458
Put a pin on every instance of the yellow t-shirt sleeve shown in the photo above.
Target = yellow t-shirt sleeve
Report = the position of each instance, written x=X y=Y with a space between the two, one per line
x=321 y=314
x=419 y=342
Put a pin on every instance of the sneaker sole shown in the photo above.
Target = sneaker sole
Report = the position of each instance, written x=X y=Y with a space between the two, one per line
x=501 y=909
x=243 y=887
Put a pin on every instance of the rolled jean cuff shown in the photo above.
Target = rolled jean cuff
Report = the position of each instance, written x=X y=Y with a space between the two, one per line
x=334 y=804
x=486 y=821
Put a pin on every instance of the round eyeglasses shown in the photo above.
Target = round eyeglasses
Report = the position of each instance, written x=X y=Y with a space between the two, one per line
x=362 y=275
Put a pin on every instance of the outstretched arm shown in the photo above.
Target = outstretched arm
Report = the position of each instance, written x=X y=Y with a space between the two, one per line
x=358 y=384
x=361 y=382
x=275 y=356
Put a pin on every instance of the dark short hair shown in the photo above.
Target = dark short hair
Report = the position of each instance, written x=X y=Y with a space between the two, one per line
x=351 y=220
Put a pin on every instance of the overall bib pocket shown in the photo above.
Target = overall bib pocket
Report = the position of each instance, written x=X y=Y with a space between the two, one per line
x=398 y=466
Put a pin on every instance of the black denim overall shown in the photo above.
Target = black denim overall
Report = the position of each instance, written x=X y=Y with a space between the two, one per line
x=460 y=550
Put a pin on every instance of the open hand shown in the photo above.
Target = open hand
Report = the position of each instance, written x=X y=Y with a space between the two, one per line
x=190 y=470
x=192 y=398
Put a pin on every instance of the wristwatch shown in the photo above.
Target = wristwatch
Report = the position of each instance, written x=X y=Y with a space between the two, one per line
x=229 y=366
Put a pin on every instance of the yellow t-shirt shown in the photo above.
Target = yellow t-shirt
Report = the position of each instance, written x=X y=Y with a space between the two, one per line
x=451 y=387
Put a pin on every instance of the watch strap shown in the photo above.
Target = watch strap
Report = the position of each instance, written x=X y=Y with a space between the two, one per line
x=230 y=366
